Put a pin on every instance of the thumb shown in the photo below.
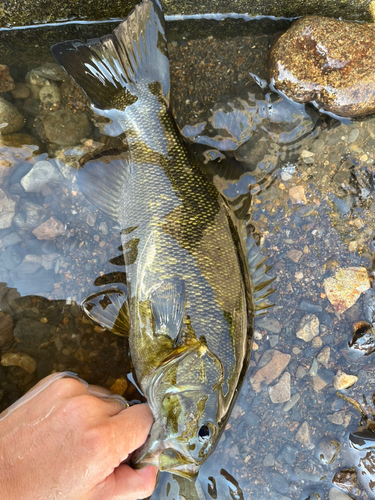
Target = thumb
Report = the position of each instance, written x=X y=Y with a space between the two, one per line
x=126 y=483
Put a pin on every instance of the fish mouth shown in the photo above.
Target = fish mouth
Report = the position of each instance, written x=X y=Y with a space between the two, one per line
x=168 y=460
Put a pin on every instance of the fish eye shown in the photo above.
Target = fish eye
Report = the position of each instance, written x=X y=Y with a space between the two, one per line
x=204 y=432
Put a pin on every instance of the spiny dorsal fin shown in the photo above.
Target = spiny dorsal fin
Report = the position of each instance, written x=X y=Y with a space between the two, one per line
x=110 y=310
x=108 y=69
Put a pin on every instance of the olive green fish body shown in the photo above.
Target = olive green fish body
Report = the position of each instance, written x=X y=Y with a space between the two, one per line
x=189 y=295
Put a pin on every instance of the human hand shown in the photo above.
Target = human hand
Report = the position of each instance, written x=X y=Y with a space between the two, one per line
x=61 y=442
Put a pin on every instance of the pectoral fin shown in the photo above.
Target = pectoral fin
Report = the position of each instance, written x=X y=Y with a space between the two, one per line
x=110 y=310
x=168 y=300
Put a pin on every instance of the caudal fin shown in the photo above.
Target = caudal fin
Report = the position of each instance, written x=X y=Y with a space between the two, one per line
x=134 y=52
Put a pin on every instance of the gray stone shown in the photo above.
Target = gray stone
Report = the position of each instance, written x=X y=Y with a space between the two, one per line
x=335 y=494
x=279 y=482
x=33 y=77
x=11 y=120
x=308 y=327
x=353 y=136
x=10 y=239
x=30 y=216
x=274 y=340
x=51 y=71
x=7 y=210
x=280 y=392
x=314 y=368
x=269 y=460
x=269 y=324
x=292 y=402
x=66 y=128
x=309 y=307
x=327 y=450
x=50 y=95
x=31 y=333
x=43 y=172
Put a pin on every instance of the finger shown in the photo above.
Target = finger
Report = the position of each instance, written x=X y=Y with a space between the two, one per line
x=126 y=483
x=137 y=421
x=110 y=406
x=97 y=390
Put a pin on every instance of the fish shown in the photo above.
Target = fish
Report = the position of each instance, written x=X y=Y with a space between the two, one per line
x=195 y=276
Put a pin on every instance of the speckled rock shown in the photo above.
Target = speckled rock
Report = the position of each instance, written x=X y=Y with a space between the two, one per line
x=49 y=230
x=347 y=480
x=20 y=359
x=303 y=435
x=11 y=120
x=66 y=128
x=280 y=392
x=7 y=210
x=6 y=81
x=50 y=95
x=323 y=356
x=308 y=327
x=328 y=62
x=343 y=380
x=271 y=370
x=344 y=289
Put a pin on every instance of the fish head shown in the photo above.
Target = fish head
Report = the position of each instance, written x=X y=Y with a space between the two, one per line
x=184 y=396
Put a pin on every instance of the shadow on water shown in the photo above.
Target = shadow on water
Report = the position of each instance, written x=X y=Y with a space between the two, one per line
x=312 y=183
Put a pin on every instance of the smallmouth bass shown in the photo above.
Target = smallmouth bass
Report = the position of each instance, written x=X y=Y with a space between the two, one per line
x=194 y=280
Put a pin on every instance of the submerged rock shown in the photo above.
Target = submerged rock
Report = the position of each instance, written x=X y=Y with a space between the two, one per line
x=343 y=380
x=347 y=480
x=66 y=128
x=49 y=230
x=20 y=359
x=7 y=210
x=345 y=288
x=6 y=81
x=43 y=172
x=328 y=62
x=11 y=119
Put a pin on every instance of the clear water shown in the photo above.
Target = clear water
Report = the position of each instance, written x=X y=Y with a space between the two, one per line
x=220 y=100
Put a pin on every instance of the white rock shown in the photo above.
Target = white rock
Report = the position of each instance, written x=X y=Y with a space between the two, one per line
x=308 y=327
x=343 y=380
x=280 y=392
x=7 y=209
x=43 y=172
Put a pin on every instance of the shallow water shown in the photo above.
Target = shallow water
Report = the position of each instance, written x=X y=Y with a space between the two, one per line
x=268 y=450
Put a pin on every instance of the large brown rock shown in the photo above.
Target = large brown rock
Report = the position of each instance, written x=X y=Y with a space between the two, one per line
x=327 y=62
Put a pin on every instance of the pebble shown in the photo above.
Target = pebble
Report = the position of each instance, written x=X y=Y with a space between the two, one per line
x=327 y=62
x=10 y=239
x=49 y=230
x=347 y=480
x=51 y=71
x=308 y=327
x=314 y=368
x=328 y=450
x=303 y=435
x=20 y=359
x=317 y=342
x=120 y=386
x=66 y=128
x=353 y=136
x=20 y=91
x=344 y=289
x=280 y=392
x=30 y=215
x=271 y=370
x=269 y=460
x=323 y=356
x=11 y=120
x=6 y=328
x=292 y=402
x=343 y=380
x=269 y=324
x=318 y=383
x=43 y=172
x=335 y=494
x=337 y=418
x=33 y=77
x=301 y=372
x=31 y=332
x=7 y=210
x=103 y=228
x=6 y=81
x=297 y=194
x=309 y=307
x=50 y=95
x=294 y=255
x=278 y=482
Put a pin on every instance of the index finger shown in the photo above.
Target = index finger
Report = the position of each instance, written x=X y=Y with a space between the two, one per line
x=129 y=429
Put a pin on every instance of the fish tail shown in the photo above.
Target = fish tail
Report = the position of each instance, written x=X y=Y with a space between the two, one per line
x=113 y=70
